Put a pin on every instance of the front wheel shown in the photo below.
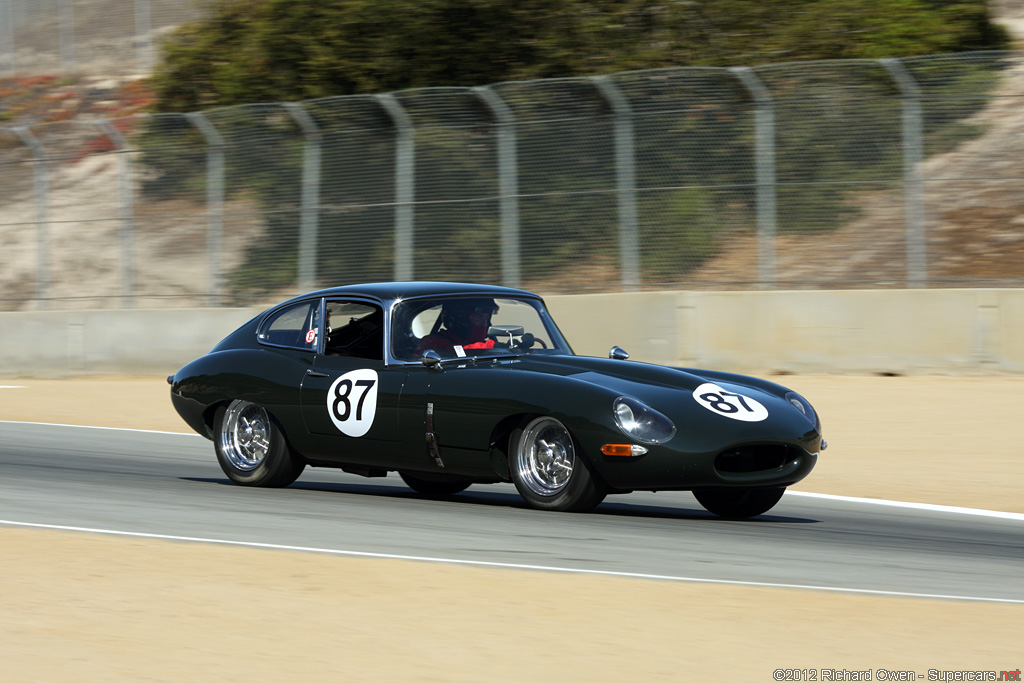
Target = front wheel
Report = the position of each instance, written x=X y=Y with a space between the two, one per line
x=738 y=502
x=251 y=448
x=548 y=472
x=437 y=486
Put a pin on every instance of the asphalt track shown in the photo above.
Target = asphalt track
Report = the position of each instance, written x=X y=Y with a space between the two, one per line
x=169 y=485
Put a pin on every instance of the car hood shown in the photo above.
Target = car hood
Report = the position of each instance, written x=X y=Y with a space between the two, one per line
x=633 y=378
x=672 y=391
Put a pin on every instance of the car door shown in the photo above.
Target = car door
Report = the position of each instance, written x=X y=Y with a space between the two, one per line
x=349 y=396
x=469 y=400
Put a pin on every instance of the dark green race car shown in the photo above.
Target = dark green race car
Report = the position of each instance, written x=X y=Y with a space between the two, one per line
x=454 y=384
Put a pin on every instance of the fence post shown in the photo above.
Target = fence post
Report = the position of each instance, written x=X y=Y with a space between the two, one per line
x=764 y=119
x=66 y=19
x=405 y=169
x=309 y=210
x=143 y=36
x=125 y=210
x=913 y=193
x=7 y=24
x=625 y=180
x=214 y=203
x=508 y=185
x=41 y=189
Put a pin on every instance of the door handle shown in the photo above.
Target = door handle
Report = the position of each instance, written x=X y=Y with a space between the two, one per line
x=314 y=373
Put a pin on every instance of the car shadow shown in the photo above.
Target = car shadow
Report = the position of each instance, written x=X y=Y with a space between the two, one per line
x=612 y=507
x=359 y=489
x=657 y=512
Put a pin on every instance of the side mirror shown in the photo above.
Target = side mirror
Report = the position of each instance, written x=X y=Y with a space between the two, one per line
x=618 y=353
x=431 y=358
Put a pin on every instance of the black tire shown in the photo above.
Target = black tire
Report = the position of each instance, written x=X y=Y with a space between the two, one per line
x=251 y=448
x=549 y=471
x=435 y=486
x=738 y=503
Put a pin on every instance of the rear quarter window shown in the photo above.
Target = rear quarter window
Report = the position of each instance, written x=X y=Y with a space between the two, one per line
x=294 y=327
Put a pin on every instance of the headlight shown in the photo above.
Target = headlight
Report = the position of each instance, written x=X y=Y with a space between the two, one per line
x=801 y=404
x=639 y=421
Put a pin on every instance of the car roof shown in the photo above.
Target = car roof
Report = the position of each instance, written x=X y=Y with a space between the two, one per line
x=386 y=291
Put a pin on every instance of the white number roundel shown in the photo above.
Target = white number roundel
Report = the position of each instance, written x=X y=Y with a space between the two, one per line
x=729 y=403
x=352 y=401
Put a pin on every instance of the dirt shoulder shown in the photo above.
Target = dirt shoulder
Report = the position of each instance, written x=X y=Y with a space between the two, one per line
x=88 y=608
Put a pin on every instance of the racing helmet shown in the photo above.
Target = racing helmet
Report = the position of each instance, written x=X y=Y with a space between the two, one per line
x=463 y=315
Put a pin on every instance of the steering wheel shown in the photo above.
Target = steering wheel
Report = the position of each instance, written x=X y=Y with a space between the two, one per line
x=504 y=336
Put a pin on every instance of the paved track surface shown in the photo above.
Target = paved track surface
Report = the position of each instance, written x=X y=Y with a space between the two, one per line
x=170 y=484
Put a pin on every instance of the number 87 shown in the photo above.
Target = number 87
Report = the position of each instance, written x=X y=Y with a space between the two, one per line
x=719 y=403
x=343 y=398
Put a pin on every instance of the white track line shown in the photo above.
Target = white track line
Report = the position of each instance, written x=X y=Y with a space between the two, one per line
x=929 y=507
x=1019 y=516
x=508 y=565
x=112 y=429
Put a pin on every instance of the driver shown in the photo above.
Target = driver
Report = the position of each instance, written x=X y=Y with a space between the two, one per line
x=463 y=322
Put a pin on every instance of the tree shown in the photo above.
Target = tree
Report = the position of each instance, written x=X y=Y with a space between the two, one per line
x=271 y=50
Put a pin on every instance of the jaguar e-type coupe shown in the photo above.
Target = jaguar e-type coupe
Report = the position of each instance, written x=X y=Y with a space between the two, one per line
x=456 y=384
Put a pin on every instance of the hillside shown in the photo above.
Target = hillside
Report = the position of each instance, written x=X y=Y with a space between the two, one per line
x=94 y=37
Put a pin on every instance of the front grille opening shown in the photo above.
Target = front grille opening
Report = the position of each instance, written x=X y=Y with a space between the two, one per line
x=746 y=459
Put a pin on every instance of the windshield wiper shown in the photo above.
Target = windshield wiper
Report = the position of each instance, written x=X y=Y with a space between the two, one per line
x=432 y=359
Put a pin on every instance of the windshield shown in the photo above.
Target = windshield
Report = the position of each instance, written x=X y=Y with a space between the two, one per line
x=473 y=326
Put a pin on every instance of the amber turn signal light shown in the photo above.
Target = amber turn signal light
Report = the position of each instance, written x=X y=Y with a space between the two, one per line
x=622 y=449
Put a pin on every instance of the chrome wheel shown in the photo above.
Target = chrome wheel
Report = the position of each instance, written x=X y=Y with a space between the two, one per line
x=545 y=457
x=245 y=435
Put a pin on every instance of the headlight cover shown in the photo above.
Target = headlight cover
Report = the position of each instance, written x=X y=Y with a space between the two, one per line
x=641 y=422
x=804 y=406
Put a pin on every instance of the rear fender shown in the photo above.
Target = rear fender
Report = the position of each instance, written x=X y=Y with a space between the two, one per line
x=269 y=377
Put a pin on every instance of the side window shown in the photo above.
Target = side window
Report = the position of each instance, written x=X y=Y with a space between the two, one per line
x=409 y=324
x=295 y=326
x=355 y=329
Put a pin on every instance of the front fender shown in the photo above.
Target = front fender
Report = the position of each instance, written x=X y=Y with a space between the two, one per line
x=470 y=404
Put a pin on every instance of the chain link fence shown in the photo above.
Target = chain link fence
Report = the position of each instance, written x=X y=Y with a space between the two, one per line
x=845 y=174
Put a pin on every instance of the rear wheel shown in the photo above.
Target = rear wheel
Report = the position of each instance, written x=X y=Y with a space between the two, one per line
x=437 y=486
x=547 y=470
x=251 y=448
x=738 y=503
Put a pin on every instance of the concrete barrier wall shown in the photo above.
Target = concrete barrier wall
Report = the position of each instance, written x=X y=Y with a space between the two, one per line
x=907 y=331
x=976 y=331
x=110 y=342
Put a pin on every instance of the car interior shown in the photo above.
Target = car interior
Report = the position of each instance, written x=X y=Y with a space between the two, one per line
x=355 y=330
